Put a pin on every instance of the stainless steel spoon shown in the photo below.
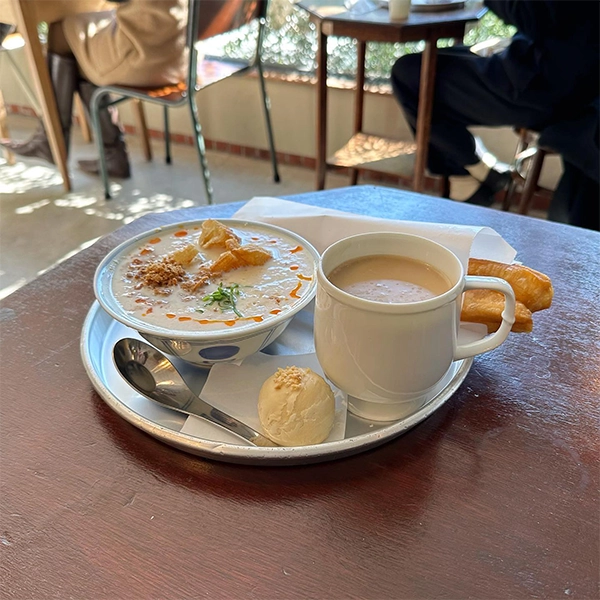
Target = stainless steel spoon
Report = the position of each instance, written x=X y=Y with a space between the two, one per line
x=154 y=376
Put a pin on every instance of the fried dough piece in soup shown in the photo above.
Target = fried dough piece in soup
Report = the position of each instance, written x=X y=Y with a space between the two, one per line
x=215 y=234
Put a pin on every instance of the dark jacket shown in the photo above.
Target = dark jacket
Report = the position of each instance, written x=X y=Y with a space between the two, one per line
x=555 y=54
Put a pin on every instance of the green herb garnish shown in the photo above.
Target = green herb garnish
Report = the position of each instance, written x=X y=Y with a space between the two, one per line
x=225 y=297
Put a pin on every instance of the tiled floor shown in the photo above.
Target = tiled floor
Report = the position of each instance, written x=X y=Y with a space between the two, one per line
x=41 y=224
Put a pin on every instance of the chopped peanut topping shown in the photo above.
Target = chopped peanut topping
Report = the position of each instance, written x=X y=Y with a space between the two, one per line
x=289 y=377
x=160 y=273
x=197 y=280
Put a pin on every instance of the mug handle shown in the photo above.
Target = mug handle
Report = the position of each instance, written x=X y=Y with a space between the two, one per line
x=489 y=342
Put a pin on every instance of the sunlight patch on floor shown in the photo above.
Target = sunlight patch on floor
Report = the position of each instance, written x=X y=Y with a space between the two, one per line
x=4 y=292
x=29 y=208
x=70 y=254
x=75 y=200
x=21 y=178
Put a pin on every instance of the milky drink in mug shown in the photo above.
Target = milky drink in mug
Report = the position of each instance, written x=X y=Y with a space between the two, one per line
x=387 y=316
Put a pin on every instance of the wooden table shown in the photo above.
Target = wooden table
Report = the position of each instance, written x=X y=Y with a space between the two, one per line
x=26 y=14
x=494 y=496
x=332 y=18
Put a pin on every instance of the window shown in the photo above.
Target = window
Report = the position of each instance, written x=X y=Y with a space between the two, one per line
x=290 y=45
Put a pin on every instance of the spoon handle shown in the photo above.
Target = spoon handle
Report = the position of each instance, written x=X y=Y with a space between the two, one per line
x=200 y=408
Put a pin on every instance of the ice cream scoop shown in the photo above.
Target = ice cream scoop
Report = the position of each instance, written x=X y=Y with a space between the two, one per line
x=296 y=407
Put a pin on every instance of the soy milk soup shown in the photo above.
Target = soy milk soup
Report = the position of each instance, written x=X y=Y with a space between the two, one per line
x=230 y=299
x=390 y=279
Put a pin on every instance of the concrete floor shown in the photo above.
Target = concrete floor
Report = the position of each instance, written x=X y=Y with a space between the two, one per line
x=41 y=224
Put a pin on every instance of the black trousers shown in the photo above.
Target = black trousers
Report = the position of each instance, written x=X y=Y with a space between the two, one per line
x=463 y=97
x=467 y=95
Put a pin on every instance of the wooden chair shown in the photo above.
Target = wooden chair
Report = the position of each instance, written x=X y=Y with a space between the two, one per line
x=206 y=19
x=525 y=169
x=528 y=159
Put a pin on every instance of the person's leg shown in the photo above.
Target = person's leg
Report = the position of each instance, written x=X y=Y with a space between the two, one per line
x=113 y=138
x=91 y=64
x=463 y=97
x=451 y=145
x=66 y=80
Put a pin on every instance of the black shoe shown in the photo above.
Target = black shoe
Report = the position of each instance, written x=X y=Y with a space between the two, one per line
x=6 y=30
x=494 y=182
x=117 y=163
x=113 y=137
x=35 y=147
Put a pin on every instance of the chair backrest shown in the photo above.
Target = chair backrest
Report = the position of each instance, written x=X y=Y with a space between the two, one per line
x=209 y=18
x=214 y=17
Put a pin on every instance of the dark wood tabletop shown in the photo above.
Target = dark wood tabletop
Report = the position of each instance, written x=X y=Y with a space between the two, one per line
x=376 y=25
x=494 y=496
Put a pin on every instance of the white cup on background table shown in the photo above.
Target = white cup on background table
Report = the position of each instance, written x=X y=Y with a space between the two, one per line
x=399 y=9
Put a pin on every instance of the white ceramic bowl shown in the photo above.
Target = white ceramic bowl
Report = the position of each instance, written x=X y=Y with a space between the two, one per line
x=203 y=348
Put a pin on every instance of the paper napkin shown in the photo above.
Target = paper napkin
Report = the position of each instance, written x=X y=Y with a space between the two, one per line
x=322 y=227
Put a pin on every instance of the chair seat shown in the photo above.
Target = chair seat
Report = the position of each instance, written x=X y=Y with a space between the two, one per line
x=209 y=71
x=169 y=94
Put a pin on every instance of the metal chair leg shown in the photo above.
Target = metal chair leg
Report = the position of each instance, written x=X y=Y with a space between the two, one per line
x=95 y=107
x=267 y=109
x=167 y=135
x=143 y=128
x=509 y=195
x=531 y=181
x=200 y=146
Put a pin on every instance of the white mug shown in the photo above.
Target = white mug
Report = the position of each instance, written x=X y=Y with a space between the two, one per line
x=393 y=353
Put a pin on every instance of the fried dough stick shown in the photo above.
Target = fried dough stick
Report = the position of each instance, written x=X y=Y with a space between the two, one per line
x=533 y=292
x=486 y=306
x=532 y=288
